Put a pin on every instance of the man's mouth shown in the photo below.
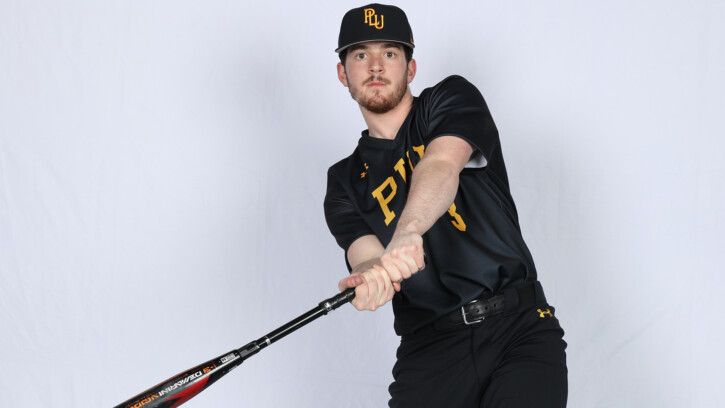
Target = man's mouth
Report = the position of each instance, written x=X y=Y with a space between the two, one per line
x=376 y=81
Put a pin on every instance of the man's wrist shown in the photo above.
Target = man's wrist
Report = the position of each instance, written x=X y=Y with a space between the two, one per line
x=409 y=227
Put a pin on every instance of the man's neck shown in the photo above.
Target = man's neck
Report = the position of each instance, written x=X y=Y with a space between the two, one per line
x=386 y=125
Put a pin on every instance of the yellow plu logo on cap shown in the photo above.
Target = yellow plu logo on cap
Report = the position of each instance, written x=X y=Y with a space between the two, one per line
x=372 y=19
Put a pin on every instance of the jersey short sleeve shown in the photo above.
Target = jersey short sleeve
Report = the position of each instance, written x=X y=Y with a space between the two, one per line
x=455 y=107
x=343 y=220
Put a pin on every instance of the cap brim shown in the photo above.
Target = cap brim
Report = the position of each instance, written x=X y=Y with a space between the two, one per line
x=380 y=39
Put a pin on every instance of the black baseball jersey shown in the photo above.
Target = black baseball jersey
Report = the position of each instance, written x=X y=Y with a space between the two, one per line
x=476 y=246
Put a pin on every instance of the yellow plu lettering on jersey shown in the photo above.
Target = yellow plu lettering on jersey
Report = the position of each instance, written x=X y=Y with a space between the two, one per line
x=383 y=201
x=457 y=221
x=418 y=149
x=372 y=19
x=400 y=168
x=544 y=312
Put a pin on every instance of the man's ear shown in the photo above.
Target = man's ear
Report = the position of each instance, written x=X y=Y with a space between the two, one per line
x=412 y=68
x=341 y=74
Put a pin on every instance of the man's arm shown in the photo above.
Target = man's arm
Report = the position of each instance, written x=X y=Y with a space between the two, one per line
x=434 y=183
x=373 y=285
x=433 y=187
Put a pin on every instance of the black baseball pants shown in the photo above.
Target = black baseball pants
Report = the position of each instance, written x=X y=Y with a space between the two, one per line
x=512 y=361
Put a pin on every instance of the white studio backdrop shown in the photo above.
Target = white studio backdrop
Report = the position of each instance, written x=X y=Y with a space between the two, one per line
x=163 y=166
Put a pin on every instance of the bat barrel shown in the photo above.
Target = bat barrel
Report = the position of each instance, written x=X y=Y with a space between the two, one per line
x=182 y=387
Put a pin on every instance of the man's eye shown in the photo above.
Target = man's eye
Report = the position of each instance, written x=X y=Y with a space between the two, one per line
x=390 y=54
x=360 y=56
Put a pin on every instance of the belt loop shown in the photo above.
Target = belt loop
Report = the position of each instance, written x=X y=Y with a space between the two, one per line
x=512 y=301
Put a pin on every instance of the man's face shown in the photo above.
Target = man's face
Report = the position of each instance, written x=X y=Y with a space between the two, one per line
x=376 y=74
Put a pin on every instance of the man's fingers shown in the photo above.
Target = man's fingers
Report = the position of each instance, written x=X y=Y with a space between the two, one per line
x=385 y=286
x=396 y=267
x=417 y=256
x=351 y=281
x=360 y=300
x=372 y=283
x=389 y=263
x=409 y=260
x=342 y=285
x=389 y=291
x=380 y=281
x=399 y=264
x=374 y=287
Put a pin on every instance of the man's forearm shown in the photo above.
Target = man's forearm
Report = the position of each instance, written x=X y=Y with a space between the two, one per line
x=432 y=190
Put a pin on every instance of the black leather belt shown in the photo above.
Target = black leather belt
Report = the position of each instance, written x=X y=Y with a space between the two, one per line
x=478 y=309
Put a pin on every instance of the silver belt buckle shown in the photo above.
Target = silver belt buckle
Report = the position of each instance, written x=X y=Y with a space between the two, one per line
x=463 y=314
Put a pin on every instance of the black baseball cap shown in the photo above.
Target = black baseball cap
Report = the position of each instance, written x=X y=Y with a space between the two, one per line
x=374 y=22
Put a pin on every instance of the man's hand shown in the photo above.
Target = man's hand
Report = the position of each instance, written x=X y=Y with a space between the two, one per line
x=376 y=280
x=377 y=271
x=403 y=256
x=372 y=283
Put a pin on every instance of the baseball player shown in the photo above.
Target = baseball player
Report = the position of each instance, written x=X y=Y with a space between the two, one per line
x=428 y=180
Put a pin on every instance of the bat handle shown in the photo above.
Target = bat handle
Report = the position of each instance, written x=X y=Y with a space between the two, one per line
x=323 y=308
x=338 y=300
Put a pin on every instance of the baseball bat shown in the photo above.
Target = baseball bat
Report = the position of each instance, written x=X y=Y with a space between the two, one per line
x=184 y=386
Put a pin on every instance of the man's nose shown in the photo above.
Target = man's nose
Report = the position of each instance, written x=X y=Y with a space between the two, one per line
x=375 y=65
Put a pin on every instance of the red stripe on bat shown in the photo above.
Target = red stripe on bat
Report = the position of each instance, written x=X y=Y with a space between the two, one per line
x=190 y=392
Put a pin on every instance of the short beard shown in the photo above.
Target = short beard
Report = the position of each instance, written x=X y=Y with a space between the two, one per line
x=378 y=103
